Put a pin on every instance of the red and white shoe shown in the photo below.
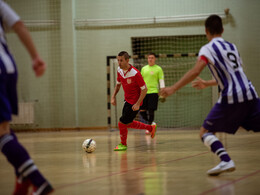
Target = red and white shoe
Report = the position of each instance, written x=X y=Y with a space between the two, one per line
x=147 y=132
x=22 y=187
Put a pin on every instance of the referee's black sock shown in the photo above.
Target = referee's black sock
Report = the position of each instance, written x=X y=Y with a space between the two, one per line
x=151 y=116
x=144 y=115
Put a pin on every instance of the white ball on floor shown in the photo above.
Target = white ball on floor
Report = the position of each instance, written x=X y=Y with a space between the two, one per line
x=89 y=145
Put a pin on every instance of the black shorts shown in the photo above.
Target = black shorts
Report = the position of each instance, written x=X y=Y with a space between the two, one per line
x=150 y=102
x=128 y=115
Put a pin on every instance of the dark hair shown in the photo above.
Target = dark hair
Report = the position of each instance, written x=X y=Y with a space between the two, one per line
x=125 y=54
x=151 y=53
x=214 y=24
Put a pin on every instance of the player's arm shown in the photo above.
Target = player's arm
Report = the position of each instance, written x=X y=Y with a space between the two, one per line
x=201 y=84
x=187 y=78
x=161 y=79
x=39 y=65
x=161 y=85
x=136 y=106
x=116 y=90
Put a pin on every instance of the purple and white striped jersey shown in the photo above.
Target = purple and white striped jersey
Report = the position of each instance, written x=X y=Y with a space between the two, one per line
x=9 y=18
x=225 y=65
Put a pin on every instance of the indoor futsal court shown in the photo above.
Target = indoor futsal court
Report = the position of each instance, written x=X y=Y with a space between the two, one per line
x=175 y=162
x=80 y=41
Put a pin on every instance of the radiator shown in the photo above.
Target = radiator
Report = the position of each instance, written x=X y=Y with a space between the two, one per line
x=26 y=114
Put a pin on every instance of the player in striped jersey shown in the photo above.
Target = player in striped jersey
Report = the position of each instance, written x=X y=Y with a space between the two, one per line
x=135 y=90
x=27 y=174
x=238 y=104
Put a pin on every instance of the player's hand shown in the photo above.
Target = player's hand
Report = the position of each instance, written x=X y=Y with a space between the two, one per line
x=167 y=91
x=135 y=107
x=199 y=83
x=162 y=99
x=39 y=66
x=113 y=101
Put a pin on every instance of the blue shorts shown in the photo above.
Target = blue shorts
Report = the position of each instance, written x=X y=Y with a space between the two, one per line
x=8 y=94
x=229 y=117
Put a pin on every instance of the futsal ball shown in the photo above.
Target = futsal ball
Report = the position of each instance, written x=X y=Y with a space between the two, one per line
x=89 y=145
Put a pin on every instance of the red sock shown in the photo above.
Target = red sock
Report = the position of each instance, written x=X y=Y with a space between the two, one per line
x=139 y=125
x=123 y=132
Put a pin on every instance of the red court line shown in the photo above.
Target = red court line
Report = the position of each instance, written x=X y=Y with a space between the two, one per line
x=136 y=169
x=230 y=183
x=126 y=171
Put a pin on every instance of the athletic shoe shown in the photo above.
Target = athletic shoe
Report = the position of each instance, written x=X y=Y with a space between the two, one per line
x=44 y=189
x=147 y=132
x=120 y=147
x=21 y=188
x=154 y=128
x=222 y=167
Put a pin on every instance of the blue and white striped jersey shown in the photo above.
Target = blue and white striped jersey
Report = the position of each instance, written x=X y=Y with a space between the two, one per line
x=225 y=65
x=9 y=18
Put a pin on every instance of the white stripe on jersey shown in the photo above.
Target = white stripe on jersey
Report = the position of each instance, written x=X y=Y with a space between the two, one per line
x=9 y=17
x=226 y=66
x=130 y=73
x=10 y=68
x=143 y=87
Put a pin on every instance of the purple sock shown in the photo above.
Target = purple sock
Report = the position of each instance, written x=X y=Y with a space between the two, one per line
x=220 y=151
x=14 y=136
x=17 y=155
x=212 y=142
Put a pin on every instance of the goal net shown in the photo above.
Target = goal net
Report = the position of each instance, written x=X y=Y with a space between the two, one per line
x=189 y=106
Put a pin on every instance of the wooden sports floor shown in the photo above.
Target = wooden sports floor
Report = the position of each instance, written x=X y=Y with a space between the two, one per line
x=175 y=162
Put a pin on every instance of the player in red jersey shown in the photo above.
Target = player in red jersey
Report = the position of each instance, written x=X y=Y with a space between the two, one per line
x=135 y=90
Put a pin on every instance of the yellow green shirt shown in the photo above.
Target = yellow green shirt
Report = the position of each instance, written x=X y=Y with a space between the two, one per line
x=151 y=76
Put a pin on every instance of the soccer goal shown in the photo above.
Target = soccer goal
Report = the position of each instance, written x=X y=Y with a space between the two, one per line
x=185 y=109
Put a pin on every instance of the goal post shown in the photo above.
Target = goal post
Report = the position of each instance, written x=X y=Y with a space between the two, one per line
x=187 y=108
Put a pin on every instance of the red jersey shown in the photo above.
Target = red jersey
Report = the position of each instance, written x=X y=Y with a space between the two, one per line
x=132 y=82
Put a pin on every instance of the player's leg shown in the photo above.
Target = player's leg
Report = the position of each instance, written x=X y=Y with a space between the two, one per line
x=127 y=117
x=139 y=125
x=252 y=121
x=150 y=120
x=143 y=109
x=214 y=144
x=151 y=116
x=26 y=171
x=127 y=121
x=152 y=103
x=16 y=154
x=152 y=106
x=144 y=115
x=222 y=118
x=131 y=123
x=123 y=136
x=21 y=187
